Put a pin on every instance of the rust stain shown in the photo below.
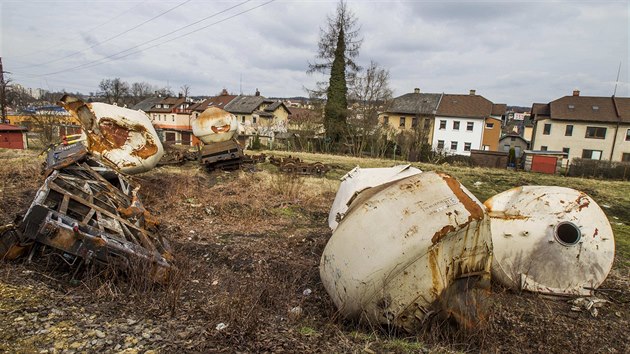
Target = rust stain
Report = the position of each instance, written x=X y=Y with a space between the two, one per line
x=441 y=233
x=221 y=129
x=504 y=216
x=475 y=210
x=596 y=232
x=435 y=271
x=64 y=239
x=582 y=202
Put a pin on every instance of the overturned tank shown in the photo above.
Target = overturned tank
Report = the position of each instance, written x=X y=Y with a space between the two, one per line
x=408 y=248
x=360 y=179
x=552 y=240
x=214 y=125
x=216 y=128
x=120 y=136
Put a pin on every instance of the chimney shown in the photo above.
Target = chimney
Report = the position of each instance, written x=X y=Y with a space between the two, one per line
x=416 y=90
x=576 y=92
x=180 y=95
x=257 y=92
x=472 y=92
x=224 y=92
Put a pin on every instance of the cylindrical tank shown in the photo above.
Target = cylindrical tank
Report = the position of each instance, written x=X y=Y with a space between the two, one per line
x=552 y=240
x=359 y=179
x=408 y=245
x=214 y=125
x=122 y=136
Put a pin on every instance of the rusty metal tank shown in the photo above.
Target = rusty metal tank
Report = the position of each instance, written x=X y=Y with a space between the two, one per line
x=409 y=248
x=360 y=179
x=124 y=137
x=551 y=240
x=214 y=125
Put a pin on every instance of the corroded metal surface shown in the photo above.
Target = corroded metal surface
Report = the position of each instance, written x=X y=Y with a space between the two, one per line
x=408 y=248
x=550 y=239
x=360 y=179
x=124 y=137
x=214 y=125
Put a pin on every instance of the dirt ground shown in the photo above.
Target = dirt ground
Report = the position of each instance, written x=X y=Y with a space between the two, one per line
x=248 y=246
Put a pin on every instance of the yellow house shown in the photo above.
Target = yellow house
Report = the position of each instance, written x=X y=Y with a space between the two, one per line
x=412 y=112
x=595 y=128
x=258 y=115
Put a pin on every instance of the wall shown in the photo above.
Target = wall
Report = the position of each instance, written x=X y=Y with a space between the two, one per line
x=461 y=136
x=557 y=140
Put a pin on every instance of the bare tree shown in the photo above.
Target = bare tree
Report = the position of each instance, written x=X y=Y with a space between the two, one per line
x=46 y=125
x=185 y=90
x=370 y=94
x=141 y=90
x=114 y=90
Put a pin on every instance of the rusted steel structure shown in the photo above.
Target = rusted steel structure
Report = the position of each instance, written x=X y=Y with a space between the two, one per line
x=121 y=136
x=216 y=128
x=89 y=212
x=293 y=165
x=552 y=240
x=409 y=248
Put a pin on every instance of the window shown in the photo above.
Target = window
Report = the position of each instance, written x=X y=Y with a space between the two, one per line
x=427 y=123
x=592 y=154
x=595 y=108
x=566 y=150
x=470 y=126
x=453 y=145
x=173 y=117
x=467 y=146
x=506 y=147
x=512 y=138
x=625 y=157
x=456 y=125
x=486 y=147
x=568 y=131
x=543 y=148
x=414 y=122
x=595 y=132
x=571 y=107
x=385 y=120
x=402 y=122
x=243 y=119
x=442 y=124
x=517 y=151
x=628 y=135
x=547 y=129
x=254 y=120
x=440 y=144
x=489 y=125
x=166 y=105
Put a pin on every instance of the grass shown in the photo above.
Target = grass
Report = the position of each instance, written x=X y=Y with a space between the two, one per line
x=612 y=196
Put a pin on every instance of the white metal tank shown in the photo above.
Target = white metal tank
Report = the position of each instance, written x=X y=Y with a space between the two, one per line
x=406 y=246
x=122 y=136
x=214 y=125
x=552 y=240
x=360 y=179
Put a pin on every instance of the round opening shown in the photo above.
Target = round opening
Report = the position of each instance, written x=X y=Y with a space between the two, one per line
x=567 y=233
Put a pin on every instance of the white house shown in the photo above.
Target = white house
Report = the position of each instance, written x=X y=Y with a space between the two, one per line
x=459 y=123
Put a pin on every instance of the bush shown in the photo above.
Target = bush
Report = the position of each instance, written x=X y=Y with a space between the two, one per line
x=256 y=143
x=599 y=169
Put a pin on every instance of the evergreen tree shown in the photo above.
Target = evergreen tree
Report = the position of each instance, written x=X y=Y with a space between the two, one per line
x=335 y=111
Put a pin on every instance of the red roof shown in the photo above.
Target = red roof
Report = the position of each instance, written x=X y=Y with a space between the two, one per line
x=11 y=127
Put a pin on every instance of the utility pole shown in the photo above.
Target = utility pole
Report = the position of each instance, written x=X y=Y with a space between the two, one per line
x=3 y=96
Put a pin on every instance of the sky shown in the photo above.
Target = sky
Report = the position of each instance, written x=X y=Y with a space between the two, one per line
x=510 y=52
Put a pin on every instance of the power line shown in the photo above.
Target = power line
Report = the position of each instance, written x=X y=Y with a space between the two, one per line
x=110 y=38
x=99 y=61
x=87 y=31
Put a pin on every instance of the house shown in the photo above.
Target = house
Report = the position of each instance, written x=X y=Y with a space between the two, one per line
x=584 y=127
x=460 y=122
x=13 y=137
x=220 y=101
x=258 y=115
x=171 y=117
x=412 y=112
x=515 y=141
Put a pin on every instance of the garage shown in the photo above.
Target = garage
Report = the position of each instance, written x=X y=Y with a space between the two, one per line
x=13 y=137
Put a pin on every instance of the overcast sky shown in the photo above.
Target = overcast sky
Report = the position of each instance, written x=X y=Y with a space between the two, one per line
x=510 y=52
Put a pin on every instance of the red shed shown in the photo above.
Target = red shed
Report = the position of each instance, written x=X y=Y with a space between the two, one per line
x=13 y=137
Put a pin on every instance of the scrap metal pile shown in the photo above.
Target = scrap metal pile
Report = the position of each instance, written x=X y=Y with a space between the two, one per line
x=294 y=165
x=88 y=210
x=407 y=245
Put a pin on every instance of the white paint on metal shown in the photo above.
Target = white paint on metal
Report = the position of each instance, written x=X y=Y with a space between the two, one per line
x=359 y=180
x=401 y=245
x=550 y=239
x=214 y=125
